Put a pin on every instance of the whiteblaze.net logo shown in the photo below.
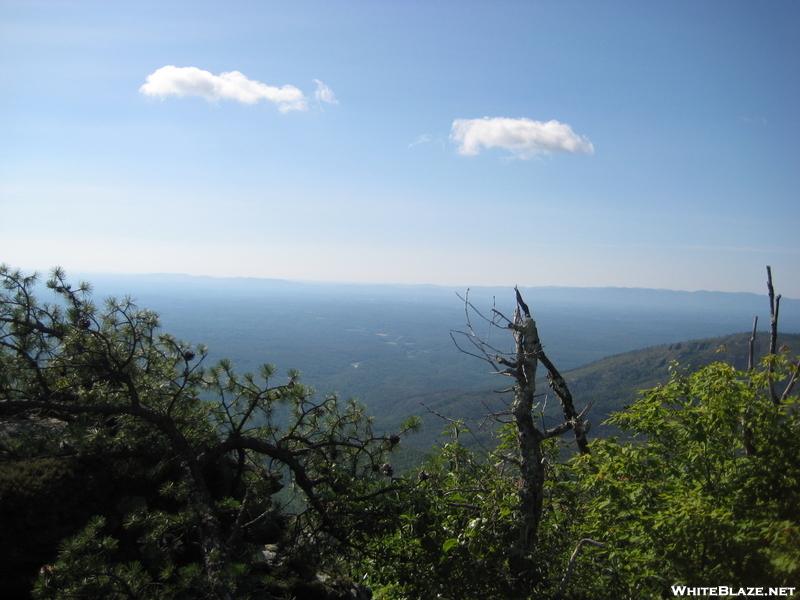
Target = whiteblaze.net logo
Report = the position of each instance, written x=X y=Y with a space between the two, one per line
x=723 y=590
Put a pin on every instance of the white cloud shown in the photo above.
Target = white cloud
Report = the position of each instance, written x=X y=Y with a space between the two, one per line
x=324 y=93
x=422 y=139
x=191 y=81
x=523 y=137
x=757 y=120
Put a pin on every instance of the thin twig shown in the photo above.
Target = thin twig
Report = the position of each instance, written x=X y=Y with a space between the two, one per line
x=237 y=526
x=454 y=422
x=791 y=383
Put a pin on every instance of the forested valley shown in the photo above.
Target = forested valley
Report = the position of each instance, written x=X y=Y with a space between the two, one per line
x=645 y=440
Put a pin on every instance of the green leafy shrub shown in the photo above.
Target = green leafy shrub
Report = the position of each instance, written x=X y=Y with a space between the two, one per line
x=708 y=490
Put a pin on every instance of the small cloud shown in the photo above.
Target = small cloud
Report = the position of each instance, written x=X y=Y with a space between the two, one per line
x=423 y=139
x=756 y=121
x=191 y=81
x=524 y=137
x=324 y=93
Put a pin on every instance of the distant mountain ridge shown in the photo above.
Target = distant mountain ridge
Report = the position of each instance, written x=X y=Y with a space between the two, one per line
x=734 y=306
x=570 y=294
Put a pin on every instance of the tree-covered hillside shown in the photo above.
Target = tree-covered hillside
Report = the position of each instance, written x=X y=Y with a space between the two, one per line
x=610 y=384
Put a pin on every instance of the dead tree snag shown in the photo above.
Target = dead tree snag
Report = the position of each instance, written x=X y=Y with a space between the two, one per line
x=521 y=365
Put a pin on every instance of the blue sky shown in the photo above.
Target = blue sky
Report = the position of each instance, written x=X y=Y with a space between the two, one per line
x=636 y=144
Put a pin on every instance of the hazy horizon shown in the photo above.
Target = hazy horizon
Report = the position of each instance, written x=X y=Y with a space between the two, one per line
x=73 y=276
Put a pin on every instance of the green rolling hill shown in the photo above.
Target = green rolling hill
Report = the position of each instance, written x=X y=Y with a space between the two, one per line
x=610 y=383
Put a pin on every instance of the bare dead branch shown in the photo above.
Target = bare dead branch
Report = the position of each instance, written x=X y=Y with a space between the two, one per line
x=568 y=571
x=505 y=318
x=485 y=355
x=492 y=323
x=559 y=386
x=467 y=306
x=512 y=364
x=441 y=416
x=483 y=345
x=521 y=303
x=491 y=417
x=750 y=358
x=455 y=422
x=559 y=429
x=774 y=308
x=586 y=409
x=505 y=391
x=791 y=382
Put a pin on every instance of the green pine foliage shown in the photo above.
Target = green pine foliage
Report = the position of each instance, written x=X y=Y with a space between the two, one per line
x=174 y=469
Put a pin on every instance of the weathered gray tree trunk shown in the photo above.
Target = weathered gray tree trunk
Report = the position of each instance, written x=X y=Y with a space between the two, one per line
x=531 y=464
x=522 y=365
